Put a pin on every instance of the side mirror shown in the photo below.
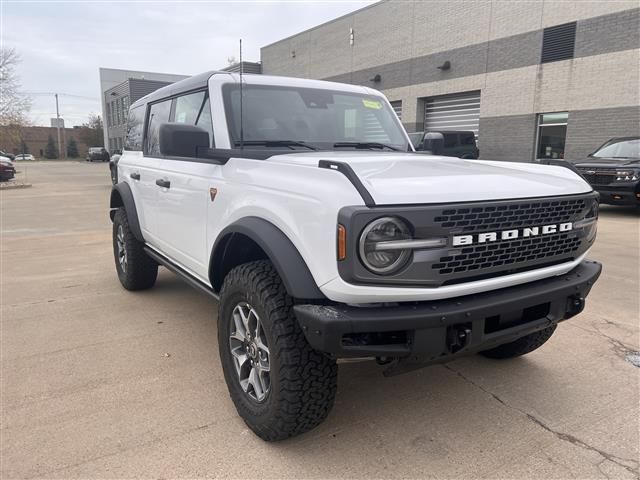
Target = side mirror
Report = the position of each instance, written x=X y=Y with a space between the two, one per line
x=182 y=140
x=434 y=142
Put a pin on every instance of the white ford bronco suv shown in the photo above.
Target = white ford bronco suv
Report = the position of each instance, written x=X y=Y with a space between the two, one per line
x=301 y=206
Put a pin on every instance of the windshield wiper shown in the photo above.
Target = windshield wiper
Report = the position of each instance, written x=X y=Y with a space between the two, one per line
x=276 y=143
x=367 y=145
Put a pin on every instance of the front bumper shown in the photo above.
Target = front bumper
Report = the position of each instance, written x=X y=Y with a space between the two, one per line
x=429 y=332
x=626 y=194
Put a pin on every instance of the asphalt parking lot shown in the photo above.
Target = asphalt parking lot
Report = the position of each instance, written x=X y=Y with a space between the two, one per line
x=100 y=382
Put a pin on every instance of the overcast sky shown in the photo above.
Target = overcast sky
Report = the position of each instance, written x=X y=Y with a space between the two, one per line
x=62 y=44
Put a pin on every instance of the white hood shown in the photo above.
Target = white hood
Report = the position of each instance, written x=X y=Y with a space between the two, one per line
x=406 y=178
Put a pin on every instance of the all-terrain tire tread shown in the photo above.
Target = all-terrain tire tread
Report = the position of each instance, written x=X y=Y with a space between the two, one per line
x=142 y=270
x=307 y=379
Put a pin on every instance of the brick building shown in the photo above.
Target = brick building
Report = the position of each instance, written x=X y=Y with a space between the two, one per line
x=36 y=139
x=534 y=79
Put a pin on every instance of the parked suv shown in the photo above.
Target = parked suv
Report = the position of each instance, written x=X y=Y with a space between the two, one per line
x=97 y=153
x=454 y=143
x=614 y=171
x=301 y=206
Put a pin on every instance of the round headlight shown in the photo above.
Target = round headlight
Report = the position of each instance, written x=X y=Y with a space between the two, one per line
x=381 y=260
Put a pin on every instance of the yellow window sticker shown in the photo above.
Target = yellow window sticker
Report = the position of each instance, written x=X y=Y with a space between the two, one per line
x=372 y=104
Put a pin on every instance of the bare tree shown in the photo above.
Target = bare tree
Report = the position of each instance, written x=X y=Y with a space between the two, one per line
x=91 y=131
x=14 y=106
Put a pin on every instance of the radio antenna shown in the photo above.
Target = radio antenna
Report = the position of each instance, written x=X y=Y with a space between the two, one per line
x=241 y=102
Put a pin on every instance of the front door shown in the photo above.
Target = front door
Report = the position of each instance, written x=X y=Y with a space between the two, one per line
x=183 y=193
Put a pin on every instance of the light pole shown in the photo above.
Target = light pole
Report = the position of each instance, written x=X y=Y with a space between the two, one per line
x=58 y=127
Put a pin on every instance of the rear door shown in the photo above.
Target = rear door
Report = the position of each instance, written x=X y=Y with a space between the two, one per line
x=182 y=205
x=135 y=169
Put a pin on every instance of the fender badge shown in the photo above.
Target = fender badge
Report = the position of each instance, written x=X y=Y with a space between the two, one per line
x=212 y=193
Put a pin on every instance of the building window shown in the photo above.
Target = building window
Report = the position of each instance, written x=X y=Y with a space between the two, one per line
x=118 y=117
x=558 y=43
x=125 y=109
x=397 y=107
x=552 y=132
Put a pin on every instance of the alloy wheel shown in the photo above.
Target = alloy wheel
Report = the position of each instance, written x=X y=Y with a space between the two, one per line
x=250 y=351
x=122 y=251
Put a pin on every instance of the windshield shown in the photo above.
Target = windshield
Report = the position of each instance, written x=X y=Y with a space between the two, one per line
x=619 y=149
x=321 y=119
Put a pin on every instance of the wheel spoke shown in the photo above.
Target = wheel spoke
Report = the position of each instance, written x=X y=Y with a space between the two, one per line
x=245 y=318
x=250 y=351
x=256 y=383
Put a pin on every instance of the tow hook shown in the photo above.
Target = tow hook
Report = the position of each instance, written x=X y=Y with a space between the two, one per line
x=458 y=337
x=575 y=305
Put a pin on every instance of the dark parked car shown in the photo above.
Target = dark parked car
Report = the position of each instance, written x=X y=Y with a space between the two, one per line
x=7 y=170
x=7 y=155
x=97 y=153
x=456 y=143
x=614 y=171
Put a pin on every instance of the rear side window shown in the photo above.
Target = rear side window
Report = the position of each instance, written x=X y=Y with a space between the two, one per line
x=158 y=114
x=135 y=124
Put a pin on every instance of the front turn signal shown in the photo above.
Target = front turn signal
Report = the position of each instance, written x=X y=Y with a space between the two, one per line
x=342 y=242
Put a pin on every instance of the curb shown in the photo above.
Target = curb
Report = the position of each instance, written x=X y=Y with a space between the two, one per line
x=12 y=186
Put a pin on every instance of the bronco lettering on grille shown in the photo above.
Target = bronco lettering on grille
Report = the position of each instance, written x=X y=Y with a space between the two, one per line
x=485 y=237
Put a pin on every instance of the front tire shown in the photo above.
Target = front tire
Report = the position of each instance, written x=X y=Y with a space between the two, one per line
x=279 y=385
x=136 y=270
x=521 y=346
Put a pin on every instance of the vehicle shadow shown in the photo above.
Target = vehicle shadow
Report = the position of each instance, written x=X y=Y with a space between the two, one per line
x=397 y=426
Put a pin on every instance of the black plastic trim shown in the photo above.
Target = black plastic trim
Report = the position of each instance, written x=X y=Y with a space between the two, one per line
x=426 y=323
x=347 y=171
x=187 y=277
x=290 y=265
x=123 y=190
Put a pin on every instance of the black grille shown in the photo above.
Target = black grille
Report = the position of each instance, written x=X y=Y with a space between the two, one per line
x=502 y=217
x=509 y=252
x=599 y=177
x=558 y=42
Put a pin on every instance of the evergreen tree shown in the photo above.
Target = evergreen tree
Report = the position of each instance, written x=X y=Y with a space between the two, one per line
x=72 y=148
x=51 y=151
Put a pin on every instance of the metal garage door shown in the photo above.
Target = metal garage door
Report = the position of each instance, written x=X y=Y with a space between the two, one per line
x=397 y=107
x=458 y=111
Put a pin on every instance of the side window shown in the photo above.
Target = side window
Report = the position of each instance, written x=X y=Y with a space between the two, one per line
x=467 y=139
x=188 y=107
x=135 y=124
x=204 y=120
x=158 y=114
x=195 y=109
x=450 y=140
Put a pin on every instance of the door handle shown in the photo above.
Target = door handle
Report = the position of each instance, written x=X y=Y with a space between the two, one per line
x=161 y=182
x=135 y=176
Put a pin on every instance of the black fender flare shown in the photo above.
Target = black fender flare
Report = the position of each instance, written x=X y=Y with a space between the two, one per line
x=290 y=265
x=122 y=196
